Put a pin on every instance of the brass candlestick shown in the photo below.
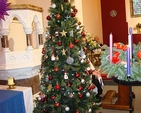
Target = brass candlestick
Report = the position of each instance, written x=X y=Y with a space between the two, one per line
x=11 y=86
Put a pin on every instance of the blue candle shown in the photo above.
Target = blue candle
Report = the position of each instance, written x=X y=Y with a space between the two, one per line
x=128 y=61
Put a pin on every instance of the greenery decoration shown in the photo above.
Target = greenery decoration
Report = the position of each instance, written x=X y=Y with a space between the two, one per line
x=90 y=43
x=117 y=67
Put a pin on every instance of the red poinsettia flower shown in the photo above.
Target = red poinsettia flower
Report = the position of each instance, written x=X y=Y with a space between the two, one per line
x=3 y=8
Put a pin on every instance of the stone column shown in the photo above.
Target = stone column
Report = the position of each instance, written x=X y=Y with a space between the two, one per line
x=4 y=40
x=40 y=37
x=28 y=32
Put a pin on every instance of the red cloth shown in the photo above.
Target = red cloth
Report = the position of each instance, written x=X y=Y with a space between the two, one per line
x=104 y=77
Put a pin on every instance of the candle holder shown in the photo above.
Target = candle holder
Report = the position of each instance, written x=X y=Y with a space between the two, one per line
x=11 y=86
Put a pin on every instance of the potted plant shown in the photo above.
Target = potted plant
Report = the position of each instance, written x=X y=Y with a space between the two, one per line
x=138 y=26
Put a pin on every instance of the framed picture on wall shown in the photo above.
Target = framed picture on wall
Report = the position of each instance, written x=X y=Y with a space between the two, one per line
x=135 y=6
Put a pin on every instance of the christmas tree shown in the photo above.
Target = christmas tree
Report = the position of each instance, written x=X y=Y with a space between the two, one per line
x=65 y=77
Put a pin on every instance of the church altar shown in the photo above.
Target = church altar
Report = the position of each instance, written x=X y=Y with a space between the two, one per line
x=27 y=96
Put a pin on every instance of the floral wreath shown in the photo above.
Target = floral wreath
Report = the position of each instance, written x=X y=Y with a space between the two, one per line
x=117 y=67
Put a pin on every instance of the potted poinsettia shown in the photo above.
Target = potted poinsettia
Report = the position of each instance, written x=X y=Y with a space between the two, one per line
x=117 y=67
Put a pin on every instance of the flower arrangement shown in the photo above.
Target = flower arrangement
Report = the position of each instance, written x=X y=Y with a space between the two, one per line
x=138 y=25
x=118 y=66
x=90 y=43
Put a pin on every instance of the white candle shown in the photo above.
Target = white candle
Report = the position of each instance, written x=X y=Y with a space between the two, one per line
x=130 y=44
x=10 y=81
x=111 y=46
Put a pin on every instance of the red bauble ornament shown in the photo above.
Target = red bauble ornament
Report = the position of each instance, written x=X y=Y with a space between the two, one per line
x=83 y=34
x=48 y=17
x=87 y=72
x=59 y=43
x=89 y=88
x=71 y=46
x=79 y=23
x=58 y=16
x=75 y=41
x=56 y=69
x=57 y=104
x=42 y=99
x=43 y=51
x=90 y=71
x=80 y=96
x=73 y=14
x=68 y=84
x=75 y=10
x=80 y=88
x=52 y=97
x=139 y=54
x=65 y=0
x=50 y=77
x=77 y=111
x=77 y=75
x=57 y=87
x=45 y=110
x=92 y=86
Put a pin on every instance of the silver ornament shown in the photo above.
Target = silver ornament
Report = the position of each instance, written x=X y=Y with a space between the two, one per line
x=70 y=60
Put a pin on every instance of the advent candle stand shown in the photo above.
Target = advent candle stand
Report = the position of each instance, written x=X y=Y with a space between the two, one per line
x=124 y=96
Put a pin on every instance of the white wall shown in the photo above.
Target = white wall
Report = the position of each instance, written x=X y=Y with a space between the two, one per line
x=92 y=17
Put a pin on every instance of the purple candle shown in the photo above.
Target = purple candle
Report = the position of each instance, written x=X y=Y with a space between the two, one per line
x=128 y=61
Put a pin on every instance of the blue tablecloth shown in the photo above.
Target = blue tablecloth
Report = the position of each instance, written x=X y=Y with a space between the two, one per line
x=11 y=101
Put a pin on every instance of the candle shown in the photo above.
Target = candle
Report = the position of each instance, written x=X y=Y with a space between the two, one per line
x=10 y=81
x=128 y=61
x=130 y=45
x=131 y=32
x=111 y=46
